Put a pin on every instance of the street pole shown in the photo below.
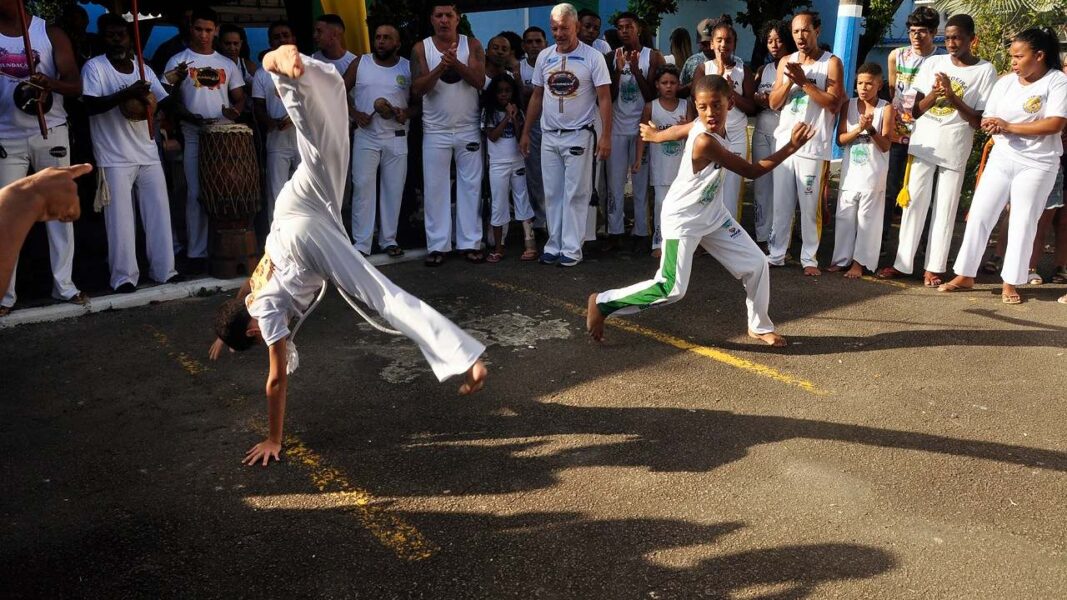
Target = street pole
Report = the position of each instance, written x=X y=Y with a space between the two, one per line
x=846 y=46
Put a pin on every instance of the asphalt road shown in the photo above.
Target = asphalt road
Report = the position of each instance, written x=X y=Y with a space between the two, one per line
x=908 y=444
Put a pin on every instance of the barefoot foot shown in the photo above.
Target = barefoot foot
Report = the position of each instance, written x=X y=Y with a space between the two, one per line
x=855 y=271
x=475 y=378
x=834 y=268
x=770 y=338
x=958 y=284
x=812 y=272
x=594 y=319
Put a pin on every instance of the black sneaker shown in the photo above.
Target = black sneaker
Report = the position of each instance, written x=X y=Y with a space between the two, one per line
x=126 y=288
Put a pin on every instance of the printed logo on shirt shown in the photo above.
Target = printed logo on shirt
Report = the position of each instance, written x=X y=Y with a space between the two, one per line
x=671 y=148
x=207 y=77
x=1032 y=105
x=563 y=84
x=402 y=81
x=798 y=101
x=628 y=91
x=943 y=107
x=860 y=154
x=711 y=190
x=13 y=62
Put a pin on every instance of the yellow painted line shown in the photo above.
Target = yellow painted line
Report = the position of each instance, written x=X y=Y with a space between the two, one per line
x=391 y=531
x=665 y=338
x=889 y=282
x=190 y=364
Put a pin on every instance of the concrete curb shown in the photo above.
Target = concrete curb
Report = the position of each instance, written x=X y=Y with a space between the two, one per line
x=160 y=293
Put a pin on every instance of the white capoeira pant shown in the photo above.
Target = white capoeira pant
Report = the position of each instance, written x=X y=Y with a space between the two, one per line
x=1027 y=189
x=282 y=160
x=797 y=179
x=120 y=221
x=438 y=149
x=195 y=215
x=37 y=153
x=763 y=145
x=368 y=153
x=946 y=199
x=728 y=244
x=507 y=180
x=623 y=153
x=858 y=228
x=308 y=243
x=567 y=170
x=534 y=184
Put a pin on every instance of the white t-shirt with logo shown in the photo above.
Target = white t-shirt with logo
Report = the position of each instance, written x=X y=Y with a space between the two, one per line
x=506 y=148
x=118 y=141
x=206 y=89
x=1017 y=103
x=941 y=136
x=570 y=81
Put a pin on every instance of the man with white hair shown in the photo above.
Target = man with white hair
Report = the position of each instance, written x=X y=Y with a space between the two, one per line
x=570 y=79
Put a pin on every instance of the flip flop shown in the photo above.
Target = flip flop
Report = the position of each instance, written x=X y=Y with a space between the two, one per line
x=434 y=259
x=495 y=257
x=528 y=254
x=889 y=273
x=933 y=282
x=474 y=256
x=1011 y=298
x=394 y=251
x=952 y=287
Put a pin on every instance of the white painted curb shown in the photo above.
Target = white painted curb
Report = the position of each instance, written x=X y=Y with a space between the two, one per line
x=159 y=293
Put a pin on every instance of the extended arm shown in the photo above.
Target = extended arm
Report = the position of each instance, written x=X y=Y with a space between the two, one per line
x=708 y=150
x=1038 y=128
x=277 y=383
x=651 y=133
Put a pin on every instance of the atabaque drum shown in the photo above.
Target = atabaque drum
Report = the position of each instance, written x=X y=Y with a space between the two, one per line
x=229 y=175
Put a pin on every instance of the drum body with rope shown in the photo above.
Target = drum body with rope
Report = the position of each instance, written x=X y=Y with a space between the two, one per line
x=229 y=192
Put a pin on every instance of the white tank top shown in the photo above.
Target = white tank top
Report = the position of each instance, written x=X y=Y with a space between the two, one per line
x=666 y=156
x=391 y=83
x=629 y=104
x=736 y=119
x=452 y=106
x=767 y=120
x=800 y=108
x=866 y=166
x=693 y=205
x=13 y=69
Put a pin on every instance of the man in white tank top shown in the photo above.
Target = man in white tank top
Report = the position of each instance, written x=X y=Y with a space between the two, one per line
x=632 y=72
x=809 y=90
x=448 y=71
x=282 y=154
x=533 y=42
x=382 y=91
x=329 y=37
x=24 y=147
x=571 y=86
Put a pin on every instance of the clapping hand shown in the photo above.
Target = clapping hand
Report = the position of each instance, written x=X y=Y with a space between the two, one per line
x=866 y=120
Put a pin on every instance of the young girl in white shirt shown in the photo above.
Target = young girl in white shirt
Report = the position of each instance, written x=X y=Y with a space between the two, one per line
x=1026 y=112
x=502 y=121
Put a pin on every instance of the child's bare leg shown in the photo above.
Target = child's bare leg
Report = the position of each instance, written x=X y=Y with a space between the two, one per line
x=594 y=319
x=498 y=235
x=475 y=378
x=1043 y=227
x=855 y=271
x=284 y=60
x=771 y=338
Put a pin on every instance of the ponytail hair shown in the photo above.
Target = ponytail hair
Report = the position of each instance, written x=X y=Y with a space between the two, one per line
x=1043 y=39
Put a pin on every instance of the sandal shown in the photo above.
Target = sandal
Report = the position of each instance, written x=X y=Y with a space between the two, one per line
x=434 y=259
x=932 y=282
x=1060 y=276
x=1034 y=278
x=889 y=273
x=992 y=266
x=394 y=251
x=1011 y=298
x=474 y=256
x=952 y=287
x=529 y=254
x=495 y=257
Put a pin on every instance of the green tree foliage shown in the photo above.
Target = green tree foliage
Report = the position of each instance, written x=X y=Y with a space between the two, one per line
x=878 y=17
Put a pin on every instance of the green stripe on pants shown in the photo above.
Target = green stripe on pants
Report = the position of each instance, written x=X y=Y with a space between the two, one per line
x=657 y=292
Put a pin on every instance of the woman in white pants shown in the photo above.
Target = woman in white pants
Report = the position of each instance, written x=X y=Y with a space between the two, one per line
x=775 y=35
x=1025 y=113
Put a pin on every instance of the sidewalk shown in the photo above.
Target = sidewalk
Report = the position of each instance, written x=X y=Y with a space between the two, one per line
x=161 y=293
